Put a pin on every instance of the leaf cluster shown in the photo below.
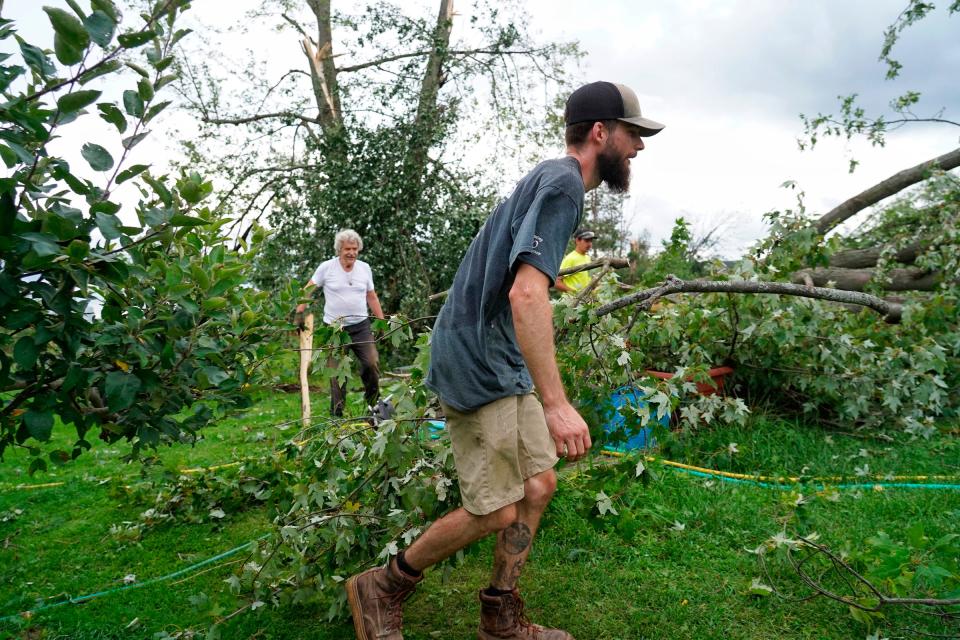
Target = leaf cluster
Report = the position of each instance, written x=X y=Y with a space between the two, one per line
x=134 y=324
x=853 y=119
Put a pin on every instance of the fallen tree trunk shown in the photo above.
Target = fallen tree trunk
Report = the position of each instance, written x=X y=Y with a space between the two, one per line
x=891 y=312
x=908 y=279
x=894 y=184
x=862 y=258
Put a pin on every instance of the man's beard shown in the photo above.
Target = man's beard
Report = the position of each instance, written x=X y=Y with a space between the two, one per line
x=614 y=171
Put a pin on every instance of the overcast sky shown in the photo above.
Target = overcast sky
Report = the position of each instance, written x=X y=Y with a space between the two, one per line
x=729 y=78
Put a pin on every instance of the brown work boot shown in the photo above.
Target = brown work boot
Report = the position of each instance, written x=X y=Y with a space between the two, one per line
x=376 y=600
x=501 y=618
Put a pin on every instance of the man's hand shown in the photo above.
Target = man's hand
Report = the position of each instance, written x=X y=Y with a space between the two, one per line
x=298 y=316
x=569 y=431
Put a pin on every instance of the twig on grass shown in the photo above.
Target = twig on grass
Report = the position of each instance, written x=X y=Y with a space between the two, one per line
x=857 y=592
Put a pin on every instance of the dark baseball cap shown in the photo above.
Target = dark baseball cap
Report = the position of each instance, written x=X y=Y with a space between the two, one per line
x=584 y=234
x=608 y=101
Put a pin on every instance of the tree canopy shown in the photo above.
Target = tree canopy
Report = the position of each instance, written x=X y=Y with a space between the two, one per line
x=375 y=127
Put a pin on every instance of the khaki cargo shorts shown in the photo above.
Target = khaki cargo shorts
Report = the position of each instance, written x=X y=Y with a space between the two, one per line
x=496 y=448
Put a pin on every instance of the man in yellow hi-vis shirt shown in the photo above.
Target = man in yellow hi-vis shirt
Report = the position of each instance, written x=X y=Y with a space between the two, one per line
x=583 y=241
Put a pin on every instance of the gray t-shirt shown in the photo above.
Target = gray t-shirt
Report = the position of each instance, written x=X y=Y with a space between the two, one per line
x=474 y=356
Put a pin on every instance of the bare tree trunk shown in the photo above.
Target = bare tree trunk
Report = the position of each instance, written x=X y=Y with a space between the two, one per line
x=894 y=184
x=909 y=279
x=424 y=128
x=323 y=70
x=433 y=77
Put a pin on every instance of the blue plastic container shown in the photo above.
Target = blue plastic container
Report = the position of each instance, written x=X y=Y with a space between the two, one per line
x=435 y=428
x=626 y=400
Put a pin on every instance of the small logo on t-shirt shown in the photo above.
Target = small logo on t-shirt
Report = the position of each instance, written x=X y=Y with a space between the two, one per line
x=536 y=241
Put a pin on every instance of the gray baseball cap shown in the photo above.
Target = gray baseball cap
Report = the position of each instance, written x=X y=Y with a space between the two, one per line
x=608 y=101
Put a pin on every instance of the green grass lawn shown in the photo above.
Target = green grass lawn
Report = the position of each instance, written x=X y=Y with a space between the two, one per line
x=672 y=565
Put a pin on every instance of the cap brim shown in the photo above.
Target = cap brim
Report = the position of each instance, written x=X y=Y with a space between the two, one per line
x=647 y=126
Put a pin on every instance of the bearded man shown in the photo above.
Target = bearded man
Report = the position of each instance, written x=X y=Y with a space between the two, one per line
x=492 y=344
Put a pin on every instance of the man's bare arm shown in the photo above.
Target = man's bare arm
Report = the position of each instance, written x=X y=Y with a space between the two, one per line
x=533 y=323
x=374 y=303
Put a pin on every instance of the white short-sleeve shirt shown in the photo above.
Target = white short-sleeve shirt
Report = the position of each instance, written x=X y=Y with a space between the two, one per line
x=344 y=292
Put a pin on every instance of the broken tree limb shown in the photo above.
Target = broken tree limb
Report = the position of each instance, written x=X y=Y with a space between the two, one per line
x=438 y=296
x=908 y=279
x=306 y=355
x=891 y=312
x=615 y=263
x=894 y=184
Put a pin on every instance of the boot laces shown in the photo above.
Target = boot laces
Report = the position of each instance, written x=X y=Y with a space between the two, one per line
x=523 y=623
x=395 y=602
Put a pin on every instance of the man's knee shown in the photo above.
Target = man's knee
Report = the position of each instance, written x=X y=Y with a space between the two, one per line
x=370 y=360
x=539 y=489
x=498 y=520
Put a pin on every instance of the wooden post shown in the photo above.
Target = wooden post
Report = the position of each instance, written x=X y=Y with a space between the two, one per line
x=306 y=355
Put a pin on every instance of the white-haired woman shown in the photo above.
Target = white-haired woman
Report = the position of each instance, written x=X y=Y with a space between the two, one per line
x=347 y=285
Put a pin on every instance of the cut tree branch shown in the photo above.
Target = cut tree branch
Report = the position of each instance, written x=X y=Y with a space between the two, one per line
x=894 y=184
x=891 y=312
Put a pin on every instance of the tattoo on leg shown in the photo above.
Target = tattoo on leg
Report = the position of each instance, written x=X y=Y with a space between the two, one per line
x=504 y=578
x=515 y=573
x=500 y=573
x=516 y=538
